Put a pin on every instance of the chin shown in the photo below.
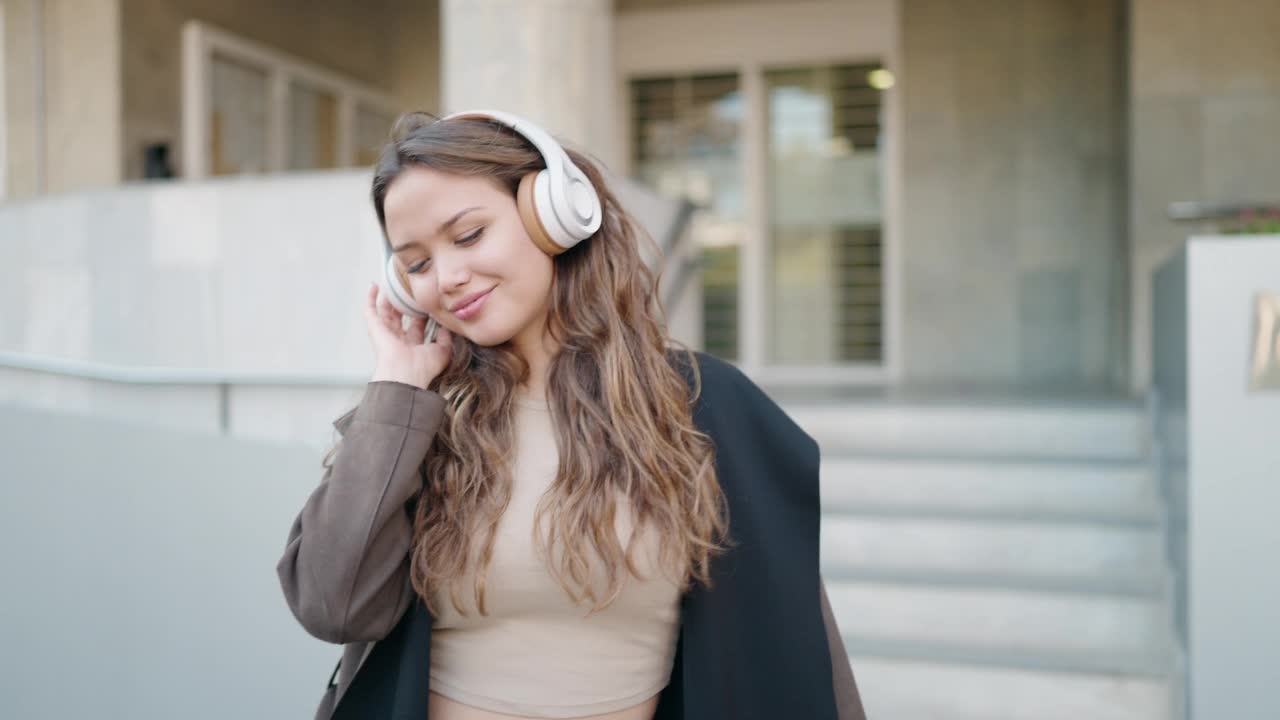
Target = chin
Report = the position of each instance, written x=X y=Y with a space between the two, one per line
x=487 y=336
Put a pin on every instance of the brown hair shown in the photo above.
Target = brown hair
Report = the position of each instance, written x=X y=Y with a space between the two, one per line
x=622 y=412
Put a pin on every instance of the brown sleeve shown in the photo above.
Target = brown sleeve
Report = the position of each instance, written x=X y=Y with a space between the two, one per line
x=848 y=703
x=345 y=567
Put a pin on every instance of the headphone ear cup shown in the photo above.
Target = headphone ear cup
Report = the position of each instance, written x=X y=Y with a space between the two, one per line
x=395 y=285
x=402 y=278
x=527 y=205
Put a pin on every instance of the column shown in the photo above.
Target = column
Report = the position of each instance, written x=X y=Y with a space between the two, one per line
x=62 y=95
x=550 y=61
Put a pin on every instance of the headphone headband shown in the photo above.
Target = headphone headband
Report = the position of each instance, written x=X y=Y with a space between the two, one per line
x=556 y=158
x=568 y=205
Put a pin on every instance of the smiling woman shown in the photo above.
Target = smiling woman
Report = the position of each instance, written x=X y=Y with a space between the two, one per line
x=460 y=262
x=530 y=515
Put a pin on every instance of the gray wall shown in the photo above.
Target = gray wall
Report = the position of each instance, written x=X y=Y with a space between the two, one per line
x=1205 y=112
x=1013 y=191
x=140 y=576
x=1234 y=598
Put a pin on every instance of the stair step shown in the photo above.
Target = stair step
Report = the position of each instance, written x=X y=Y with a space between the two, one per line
x=1143 y=586
x=1109 y=557
x=1100 y=432
x=906 y=689
x=1113 y=489
x=1030 y=622
x=1012 y=658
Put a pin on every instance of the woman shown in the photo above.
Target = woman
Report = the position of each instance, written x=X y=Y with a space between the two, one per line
x=541 y=510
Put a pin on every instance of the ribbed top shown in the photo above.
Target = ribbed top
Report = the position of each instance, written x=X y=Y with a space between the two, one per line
x=536 y=653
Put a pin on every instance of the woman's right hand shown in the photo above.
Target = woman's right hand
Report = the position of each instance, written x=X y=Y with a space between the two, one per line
x=399 y=352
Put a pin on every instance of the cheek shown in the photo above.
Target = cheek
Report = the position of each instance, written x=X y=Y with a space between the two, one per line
x=425 y=292
x=535 y=272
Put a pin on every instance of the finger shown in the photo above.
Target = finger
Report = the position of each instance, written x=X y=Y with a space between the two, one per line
x=416 y=331
x=370 y=309
x=379 y=334
x=390 y=316
x=371 y=297
x=444 y=338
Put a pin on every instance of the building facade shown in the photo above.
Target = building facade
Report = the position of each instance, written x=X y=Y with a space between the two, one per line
x=966 y=197
x=905 y=191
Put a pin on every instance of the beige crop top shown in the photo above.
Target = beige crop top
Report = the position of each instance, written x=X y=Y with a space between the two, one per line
x=535 y=653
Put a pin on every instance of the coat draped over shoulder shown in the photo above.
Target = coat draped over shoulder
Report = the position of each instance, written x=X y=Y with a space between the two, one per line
x=759 y=642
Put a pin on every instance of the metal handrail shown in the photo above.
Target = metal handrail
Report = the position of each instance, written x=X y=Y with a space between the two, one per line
x=160 y=375
x=223 y=380
x=685 y=268
x=1197 y=211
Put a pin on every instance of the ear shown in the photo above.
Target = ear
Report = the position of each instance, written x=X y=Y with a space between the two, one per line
x=529 y=216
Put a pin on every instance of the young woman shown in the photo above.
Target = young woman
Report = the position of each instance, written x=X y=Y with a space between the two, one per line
x=542 y=509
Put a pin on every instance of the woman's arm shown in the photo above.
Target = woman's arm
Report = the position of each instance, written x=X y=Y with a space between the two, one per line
x=848 y=703
x=345 y=567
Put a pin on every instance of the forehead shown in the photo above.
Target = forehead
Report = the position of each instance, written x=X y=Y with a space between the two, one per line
x=421 y=198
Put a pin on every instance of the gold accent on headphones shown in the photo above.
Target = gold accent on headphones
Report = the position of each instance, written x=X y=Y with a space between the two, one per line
x=529 y=215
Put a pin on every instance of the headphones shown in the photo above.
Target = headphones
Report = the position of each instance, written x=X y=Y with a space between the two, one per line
x=558 y=206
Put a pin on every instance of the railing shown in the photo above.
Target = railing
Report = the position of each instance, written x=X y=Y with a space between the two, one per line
x=223 y=381
x=1195 y=210
x=683 y=268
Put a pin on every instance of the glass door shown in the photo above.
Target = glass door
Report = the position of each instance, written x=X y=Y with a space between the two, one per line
x=823 y=259
x=686 y=142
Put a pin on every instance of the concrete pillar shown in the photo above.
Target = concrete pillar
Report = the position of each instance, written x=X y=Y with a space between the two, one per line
x=550 y=61
x=20 y=119
x=62 y=95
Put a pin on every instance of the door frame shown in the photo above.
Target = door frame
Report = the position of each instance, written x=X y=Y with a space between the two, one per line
x=749 y=39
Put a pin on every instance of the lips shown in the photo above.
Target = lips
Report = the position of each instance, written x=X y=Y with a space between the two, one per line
x=469 y=306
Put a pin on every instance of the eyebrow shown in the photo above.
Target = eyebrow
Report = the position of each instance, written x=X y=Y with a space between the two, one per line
x=444 y=226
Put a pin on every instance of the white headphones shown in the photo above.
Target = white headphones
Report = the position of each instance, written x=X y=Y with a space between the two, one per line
x=558 y=206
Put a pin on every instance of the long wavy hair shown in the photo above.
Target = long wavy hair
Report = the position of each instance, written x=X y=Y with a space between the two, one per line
x=621 y=409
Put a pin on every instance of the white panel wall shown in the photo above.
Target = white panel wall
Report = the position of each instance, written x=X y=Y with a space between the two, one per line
x=1234 y=485
x=257 y=276
x=252 y=275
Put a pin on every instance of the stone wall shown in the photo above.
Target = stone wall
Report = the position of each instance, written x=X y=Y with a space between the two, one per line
x=1013 y=207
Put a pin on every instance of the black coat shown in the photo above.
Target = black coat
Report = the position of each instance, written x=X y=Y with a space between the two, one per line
x=752 y=646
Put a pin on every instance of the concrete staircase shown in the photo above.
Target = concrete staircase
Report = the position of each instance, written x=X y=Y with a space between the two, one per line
x=998 y=560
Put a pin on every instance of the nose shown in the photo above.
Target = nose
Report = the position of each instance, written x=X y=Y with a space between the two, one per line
x=451 y=275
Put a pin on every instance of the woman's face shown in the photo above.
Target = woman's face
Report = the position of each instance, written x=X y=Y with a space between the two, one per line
x=469 y=260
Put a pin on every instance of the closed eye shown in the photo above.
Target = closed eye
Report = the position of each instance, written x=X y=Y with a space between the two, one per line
x=463 y=241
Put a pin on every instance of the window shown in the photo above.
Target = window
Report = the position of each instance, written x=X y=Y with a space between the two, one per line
x=825 y=216
x=250 y=109
x=686 y=138
x=802 y=242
